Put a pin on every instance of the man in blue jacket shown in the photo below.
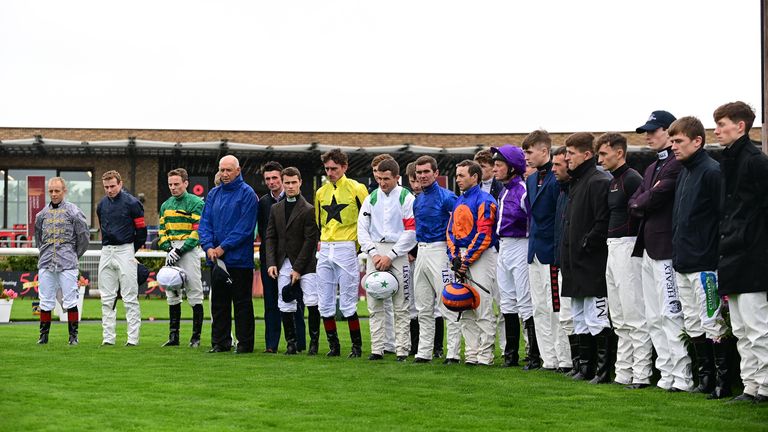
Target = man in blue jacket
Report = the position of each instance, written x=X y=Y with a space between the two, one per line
x=432 y=209
x=226 y=234
x=547 y=336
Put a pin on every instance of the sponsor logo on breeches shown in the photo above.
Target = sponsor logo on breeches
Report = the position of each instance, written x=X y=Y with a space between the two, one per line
x=601 y=307
x=670 y=288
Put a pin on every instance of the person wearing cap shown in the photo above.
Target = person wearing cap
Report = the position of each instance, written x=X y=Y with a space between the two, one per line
x=290 y=244
x=625 y=290
x=386 y=232
x=179 y=219
x=652 y=203
x=512 y=265
x=337 y=206
x=226 y=231
x=550 y=349
x=743 y=240
x=432 y=208
x=695 y=234
x=123 y=233
x=470 y=234
x=61 y=235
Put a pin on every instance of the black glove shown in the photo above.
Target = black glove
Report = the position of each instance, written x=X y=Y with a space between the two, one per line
x=173 y=256
x=456 y=264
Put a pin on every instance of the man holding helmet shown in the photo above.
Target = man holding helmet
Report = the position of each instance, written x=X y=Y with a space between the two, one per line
x=290 y=246
x=386 y=233
x=469 y=234
x=179 y=219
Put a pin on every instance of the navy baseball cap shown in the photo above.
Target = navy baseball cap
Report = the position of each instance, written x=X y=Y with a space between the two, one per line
x=658 y=119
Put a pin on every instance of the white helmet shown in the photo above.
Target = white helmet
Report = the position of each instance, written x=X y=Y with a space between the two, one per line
x=171 y=278
x=381 y=284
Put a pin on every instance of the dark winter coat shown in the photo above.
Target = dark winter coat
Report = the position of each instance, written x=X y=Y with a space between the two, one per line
x=744 y=219
x=584 y=251
x=696 y=215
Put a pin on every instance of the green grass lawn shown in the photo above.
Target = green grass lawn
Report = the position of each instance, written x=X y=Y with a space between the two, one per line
x=91 y=388
x=152 y=308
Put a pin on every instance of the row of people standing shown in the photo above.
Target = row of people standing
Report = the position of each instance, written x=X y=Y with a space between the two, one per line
x=456 y=238
x=651 y=256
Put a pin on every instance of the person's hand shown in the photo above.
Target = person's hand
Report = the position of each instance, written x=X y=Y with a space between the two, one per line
x=411 y=258
x=295 y=276
x=382 y=262
x=456 y=264
x=173 y=256
x=272 y=272
x=211 y=254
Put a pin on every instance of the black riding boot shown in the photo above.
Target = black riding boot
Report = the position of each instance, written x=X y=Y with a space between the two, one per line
x=573 y=340
x=705 y=359
x=333 y=337
x=439 y=334
x=314 y=329
x=414 y=328
x=603 y=340
x=197 y=325
x=174 y=324
x=45 y=327
x=512 y=347
x=586 y=358
x=534 y=358
x=355 y=336
x=289 y=328
x=722 y=353
x=73 y=322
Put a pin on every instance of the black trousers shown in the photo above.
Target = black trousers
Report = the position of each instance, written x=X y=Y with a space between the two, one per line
x=272 y=321
x=223 y=297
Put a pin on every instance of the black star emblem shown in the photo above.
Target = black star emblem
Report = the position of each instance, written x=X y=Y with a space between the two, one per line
x=334 y=210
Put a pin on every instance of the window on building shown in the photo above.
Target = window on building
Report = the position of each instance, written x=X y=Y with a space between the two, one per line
x=13 y=193
x=79 y=190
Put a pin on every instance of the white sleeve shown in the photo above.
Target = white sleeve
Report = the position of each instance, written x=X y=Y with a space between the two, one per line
x=364 y=227
x=407 y=239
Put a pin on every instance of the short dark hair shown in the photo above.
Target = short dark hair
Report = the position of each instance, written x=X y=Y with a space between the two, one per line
x=537 y=137
x=473 y=168
x=335 y=155
x=290 y=172
x=559 y=151
x=423 y=160
x=614 y=140
x=272 y=166
x=379 y=158
x=689 y=126
x=181 y=172
x=484 y=157
x=581 y=141
x=390 y=165
x=736 y=112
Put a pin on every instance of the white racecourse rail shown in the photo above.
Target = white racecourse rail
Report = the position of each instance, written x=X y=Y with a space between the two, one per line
x=89 y=262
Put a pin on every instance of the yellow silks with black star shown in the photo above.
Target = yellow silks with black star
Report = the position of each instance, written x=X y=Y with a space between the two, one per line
x=336 y=209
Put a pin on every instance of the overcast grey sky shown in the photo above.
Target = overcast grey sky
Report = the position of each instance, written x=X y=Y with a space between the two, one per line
x=394 y=66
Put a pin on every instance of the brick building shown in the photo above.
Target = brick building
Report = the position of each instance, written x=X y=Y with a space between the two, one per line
x=143 y=157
